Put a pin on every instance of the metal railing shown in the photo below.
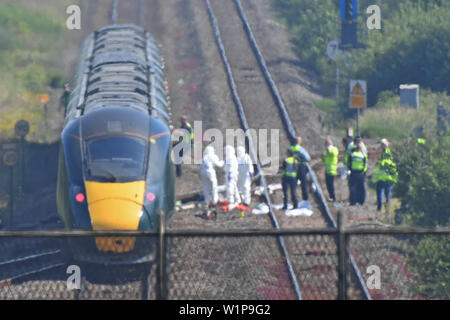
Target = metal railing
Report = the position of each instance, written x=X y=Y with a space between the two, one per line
x=318 y=253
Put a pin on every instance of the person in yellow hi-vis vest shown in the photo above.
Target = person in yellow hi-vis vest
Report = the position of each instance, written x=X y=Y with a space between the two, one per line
x=385 y=175
x=330 y=159
x=358 y=164
x=303 y=158
x=289 y=181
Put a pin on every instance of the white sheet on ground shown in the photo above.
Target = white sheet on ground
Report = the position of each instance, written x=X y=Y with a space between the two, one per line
x=261 y=209
x=299 y=212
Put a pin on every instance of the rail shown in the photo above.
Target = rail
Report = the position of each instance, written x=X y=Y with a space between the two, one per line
x=291 y=131
x=244 y=125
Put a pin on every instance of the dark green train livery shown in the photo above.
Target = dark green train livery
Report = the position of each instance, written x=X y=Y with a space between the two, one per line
x=115 y=170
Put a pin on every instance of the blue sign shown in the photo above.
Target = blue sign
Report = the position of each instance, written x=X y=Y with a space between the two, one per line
x=355 y=9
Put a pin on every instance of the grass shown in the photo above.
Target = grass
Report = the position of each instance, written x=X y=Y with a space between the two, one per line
x=389 y=119
x=327 y=105
x=31 y=40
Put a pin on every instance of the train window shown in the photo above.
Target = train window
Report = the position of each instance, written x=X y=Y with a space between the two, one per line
x=116 y=159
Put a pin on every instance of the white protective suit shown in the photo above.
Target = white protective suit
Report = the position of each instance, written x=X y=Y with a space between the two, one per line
x=208 y=174
x=231 y=174
x=245 y=174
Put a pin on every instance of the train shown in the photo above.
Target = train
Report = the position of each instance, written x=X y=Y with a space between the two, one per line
x=114 y=168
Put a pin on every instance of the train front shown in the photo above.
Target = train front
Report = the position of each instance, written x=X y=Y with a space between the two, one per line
x=115 y=174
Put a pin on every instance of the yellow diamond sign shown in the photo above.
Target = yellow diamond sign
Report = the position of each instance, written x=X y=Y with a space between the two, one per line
x=358 y=94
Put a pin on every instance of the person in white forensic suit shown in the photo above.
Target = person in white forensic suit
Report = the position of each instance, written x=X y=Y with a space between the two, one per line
x=231 y=174
x=245 y=175
x=208 y=173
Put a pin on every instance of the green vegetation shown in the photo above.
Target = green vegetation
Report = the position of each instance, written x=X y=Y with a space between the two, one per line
x=411 y=47
x=327 y=105
x=431 y=260
x=424 y=188
x=424 y=174
x=389 y=119
x=30 y=41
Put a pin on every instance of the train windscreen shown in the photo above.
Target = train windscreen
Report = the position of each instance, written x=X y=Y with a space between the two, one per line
x=116 y=159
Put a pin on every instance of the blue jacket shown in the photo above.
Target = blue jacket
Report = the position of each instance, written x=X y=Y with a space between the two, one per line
x=301 y=153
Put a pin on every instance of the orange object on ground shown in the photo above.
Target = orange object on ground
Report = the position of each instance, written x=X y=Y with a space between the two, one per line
x=244 y=208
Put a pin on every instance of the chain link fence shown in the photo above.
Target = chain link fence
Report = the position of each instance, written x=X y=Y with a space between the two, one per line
x=394 y=263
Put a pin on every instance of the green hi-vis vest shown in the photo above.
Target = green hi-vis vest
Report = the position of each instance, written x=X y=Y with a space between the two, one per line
x=421 y=141
x=296 y=149
x=191 y=137
x=386 y=170
x=349 y=151
x=387 y=154
x=331 y=159
x=359 y=161
x=290 y=167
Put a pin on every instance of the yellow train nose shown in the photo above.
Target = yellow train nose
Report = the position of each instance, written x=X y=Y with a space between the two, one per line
x=115 y=214
x=115 y=206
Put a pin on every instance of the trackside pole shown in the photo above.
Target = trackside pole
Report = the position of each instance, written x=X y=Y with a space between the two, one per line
x=357 y=122
x=161 y=279
x=342 y=274
x=337 y=82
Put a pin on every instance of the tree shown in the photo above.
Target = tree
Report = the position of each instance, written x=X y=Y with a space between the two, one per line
x=424 y=188
x=424 y=181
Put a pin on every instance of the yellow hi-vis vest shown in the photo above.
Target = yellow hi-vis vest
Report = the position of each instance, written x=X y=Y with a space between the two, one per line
x=331 y=159
x=189 y=129
x=386 y=170
x=296 y=149
x=359 y=161
x=290 y=167
x=192 y=131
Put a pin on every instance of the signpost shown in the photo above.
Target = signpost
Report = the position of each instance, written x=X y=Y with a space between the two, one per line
x=335 y=54
x=358 y=98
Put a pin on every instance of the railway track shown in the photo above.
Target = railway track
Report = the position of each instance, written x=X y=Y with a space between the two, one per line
x=22 y=258
x=250 y=64
x=236 y=251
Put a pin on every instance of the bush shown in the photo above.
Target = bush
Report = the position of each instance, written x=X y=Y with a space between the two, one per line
x=431 y=261
x=424 y=189
x=424 y=181
x=56 y=80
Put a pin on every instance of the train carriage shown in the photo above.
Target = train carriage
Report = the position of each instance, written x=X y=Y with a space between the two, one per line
x=115 y=170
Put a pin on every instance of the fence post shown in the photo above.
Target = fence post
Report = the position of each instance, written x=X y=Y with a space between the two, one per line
x=342 y=266
x=161 y=292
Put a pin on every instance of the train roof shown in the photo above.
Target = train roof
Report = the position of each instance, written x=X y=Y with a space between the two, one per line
x=120 y=66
